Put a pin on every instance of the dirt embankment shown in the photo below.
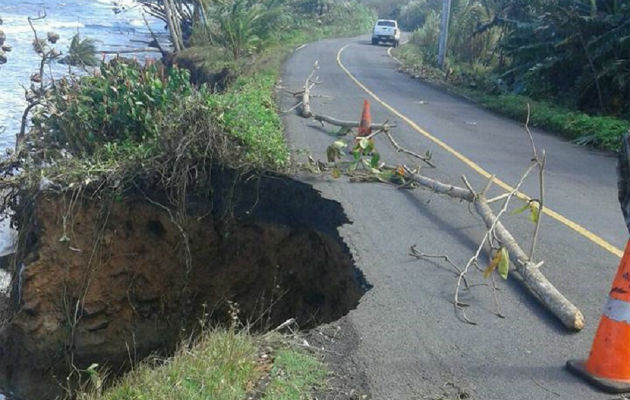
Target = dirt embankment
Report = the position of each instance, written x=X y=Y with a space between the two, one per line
x=110 y=282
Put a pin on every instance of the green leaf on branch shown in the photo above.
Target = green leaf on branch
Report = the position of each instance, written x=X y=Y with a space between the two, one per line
x=504 y=263
x=385 y=176
x=374 y=160
x=534 y=207
x=340 y=144
x=520 y=210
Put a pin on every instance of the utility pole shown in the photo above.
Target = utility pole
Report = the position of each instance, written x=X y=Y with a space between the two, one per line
x=446 y=13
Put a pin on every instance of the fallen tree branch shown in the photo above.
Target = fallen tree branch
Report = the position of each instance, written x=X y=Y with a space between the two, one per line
x=414 y=252
x=534 y=280
x=291 y=109
x=541 y=191
x=541 y=183
x=350 y=124
x=490 y=233
x=306 y=100
x=408 y=152
x=442 y=188
x=570 y=316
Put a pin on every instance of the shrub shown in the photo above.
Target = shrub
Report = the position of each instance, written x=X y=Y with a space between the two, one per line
x=426 y=38
x=123 y=103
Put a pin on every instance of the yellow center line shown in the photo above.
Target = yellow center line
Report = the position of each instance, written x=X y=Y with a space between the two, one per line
x=475 y=167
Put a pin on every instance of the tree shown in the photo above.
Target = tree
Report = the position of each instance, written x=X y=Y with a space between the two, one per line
x=241 y=25
x=82 y=52
x=575 y=48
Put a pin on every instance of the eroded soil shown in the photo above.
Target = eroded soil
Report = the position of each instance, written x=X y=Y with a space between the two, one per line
x=111 y=282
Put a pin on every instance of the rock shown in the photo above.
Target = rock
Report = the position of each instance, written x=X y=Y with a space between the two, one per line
x=6 y=48
x=93 y=309
x=53 y=37
x=95 y=325
x=45 y=183
x=90 y=341
x=3 y=37
x=50 y=323
x=31 y=307
x=3 y=57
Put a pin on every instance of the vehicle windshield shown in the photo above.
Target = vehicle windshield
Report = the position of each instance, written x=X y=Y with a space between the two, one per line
x=385 y=23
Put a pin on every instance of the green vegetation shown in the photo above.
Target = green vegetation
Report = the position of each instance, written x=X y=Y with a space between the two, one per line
x=133 y=120
x=247 y=112
x=81 y=52
x=124 y=103
x=602 y=132
x=148 y=121
x=262 y=23
x=223 y=365
x=252 y=28
x=292 y=372
x=569 y=53
x=242 y=26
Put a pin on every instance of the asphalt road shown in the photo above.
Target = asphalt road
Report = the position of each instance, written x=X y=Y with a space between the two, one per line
x=410 y=344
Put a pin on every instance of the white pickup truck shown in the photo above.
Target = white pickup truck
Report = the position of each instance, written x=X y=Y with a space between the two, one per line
x=386 y=30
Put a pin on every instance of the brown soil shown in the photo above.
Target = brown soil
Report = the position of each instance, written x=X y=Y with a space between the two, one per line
x=108 y=283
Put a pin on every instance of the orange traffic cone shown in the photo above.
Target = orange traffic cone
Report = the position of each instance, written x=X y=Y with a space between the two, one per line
x=366 y=120
x=608 y=366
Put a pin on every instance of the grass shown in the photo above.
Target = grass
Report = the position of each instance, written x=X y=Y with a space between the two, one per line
x=602 y=132
x=247 y=111
x=292 y=372
x=223 y=365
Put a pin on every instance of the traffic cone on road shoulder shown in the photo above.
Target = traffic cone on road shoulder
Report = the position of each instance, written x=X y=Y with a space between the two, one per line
x=366 y=120
x=608 y=365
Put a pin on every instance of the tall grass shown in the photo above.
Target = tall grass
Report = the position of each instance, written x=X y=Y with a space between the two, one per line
x=222 y=365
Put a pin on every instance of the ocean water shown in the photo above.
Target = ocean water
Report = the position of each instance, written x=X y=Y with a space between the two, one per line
x=95 y=19
x=115 y=25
